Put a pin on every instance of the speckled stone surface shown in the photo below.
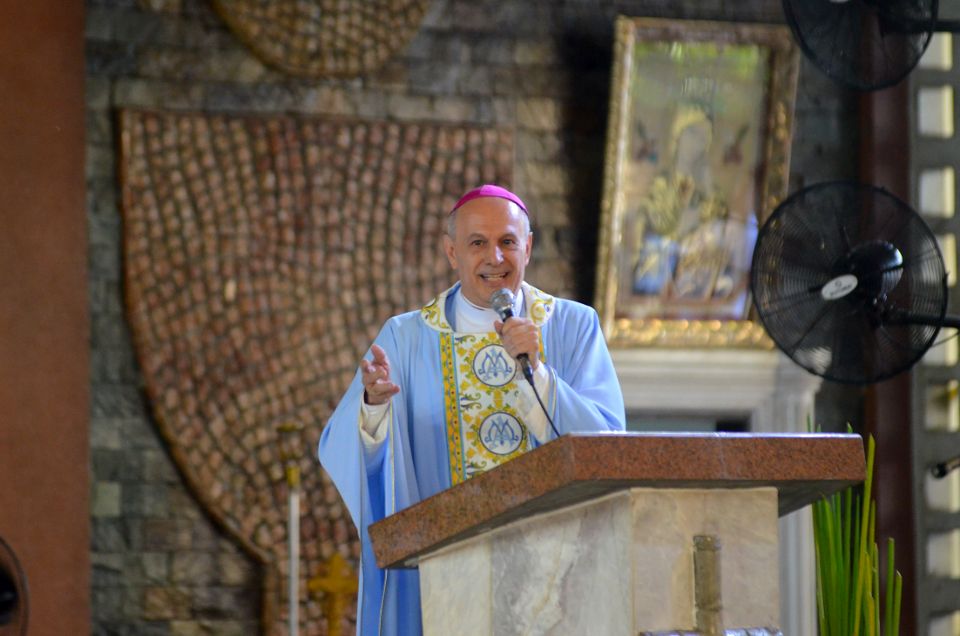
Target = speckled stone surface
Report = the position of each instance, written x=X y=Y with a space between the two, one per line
x=579 y=467
x=617 y=565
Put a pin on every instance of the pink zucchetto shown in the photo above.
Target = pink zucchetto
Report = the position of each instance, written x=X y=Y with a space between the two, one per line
x=490 y=190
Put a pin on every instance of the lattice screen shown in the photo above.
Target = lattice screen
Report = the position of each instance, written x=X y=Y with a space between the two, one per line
x=935 y=158
x=262 y=254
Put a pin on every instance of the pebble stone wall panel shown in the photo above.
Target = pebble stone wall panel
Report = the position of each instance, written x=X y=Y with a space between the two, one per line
x=262 y=255
x=318 y=38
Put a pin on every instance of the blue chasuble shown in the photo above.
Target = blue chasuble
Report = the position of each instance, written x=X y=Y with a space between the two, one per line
x=447 y=424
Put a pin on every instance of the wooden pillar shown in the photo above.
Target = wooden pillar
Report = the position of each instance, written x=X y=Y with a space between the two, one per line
x=44 y=325
x=885 y=162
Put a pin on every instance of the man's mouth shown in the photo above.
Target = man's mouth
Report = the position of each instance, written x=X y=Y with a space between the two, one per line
x=493 y=277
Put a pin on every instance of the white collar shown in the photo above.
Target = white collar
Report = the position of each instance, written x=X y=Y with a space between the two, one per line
x=471 y=318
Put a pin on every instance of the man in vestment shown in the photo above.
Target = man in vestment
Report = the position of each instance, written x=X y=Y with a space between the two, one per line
x=439 y=396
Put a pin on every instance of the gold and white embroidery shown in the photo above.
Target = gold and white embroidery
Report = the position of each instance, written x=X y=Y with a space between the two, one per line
x=480 y=389
x=490 y=428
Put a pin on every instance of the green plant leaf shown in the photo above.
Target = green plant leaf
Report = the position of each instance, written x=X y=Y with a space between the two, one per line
x=849 y=598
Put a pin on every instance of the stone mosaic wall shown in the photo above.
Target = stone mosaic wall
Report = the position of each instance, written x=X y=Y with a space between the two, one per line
x=323 y=38
x=162 y=565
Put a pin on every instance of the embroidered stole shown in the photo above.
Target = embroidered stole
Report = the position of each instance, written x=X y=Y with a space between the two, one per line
x=481 y=389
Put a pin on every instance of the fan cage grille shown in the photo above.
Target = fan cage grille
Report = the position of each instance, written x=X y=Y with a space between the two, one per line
x=865 y=44
x=855 y=338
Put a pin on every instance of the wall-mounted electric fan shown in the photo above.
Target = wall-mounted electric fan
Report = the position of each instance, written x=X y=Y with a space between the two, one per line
x=849 y=282
x=865 y=44
x=14 y=599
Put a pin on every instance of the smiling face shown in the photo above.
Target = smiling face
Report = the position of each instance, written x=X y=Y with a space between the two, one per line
x=490 y=249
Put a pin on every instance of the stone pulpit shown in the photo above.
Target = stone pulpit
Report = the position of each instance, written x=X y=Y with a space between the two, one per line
x=617 y=533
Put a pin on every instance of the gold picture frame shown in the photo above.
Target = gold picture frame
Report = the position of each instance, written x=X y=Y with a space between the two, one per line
x=697 y=157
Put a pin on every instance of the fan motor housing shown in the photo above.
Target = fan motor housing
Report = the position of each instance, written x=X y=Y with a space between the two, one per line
x=877 y=266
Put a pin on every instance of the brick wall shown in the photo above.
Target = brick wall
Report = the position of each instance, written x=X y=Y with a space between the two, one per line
x=542 y=68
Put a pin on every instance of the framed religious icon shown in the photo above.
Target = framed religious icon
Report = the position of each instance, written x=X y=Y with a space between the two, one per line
x=697 y=157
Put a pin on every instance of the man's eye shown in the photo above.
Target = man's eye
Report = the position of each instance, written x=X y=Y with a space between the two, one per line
x=477 y=242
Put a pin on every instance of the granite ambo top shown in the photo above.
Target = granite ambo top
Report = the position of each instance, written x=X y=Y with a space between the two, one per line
x=582 y=466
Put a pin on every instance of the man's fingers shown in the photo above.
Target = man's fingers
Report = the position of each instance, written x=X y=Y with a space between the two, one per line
x=375 y=374
x=382 y=387
x=520 y=336
x=379 y=355
x=379 y=367
x=376 y=377
x=381 y=391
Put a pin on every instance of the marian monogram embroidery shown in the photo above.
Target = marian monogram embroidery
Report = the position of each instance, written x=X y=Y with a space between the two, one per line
x=493 y=365
x=501 y=433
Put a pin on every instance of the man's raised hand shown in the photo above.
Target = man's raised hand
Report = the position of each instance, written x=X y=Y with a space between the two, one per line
x=378 y=389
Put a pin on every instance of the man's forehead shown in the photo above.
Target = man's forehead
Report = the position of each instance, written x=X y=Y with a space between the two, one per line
x=486 y=206
x=481 y=221
x=504 y=232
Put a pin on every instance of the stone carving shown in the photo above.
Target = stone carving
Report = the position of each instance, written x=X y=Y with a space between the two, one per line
x=315 y=38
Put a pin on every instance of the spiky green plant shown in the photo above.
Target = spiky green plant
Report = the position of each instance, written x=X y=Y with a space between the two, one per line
x=848 y=564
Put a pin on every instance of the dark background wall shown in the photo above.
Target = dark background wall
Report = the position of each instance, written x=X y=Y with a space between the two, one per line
x=160 y=566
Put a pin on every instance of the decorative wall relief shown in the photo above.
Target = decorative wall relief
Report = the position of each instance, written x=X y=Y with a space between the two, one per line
x=318 y=38
x=262 y=255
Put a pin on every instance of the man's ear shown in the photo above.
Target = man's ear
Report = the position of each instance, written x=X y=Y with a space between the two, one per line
x=529 y=247
x=448 y=249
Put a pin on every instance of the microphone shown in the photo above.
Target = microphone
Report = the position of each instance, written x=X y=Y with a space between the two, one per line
x=940 y=470
x=502 y=302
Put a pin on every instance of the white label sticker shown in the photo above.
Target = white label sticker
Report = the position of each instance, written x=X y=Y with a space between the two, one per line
x=839 y=287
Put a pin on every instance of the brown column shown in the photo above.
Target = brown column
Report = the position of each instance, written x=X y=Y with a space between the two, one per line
x=44 y=330
x=885 y=162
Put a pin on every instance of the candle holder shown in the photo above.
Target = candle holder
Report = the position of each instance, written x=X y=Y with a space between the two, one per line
x=291 y=449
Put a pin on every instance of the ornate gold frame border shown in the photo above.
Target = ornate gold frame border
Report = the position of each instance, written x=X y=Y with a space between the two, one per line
x=781 y=95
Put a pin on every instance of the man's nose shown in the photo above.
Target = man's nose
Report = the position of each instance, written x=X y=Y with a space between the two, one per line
x=495 y=254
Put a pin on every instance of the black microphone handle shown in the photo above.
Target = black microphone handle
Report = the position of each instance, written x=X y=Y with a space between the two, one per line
x=524 y=361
